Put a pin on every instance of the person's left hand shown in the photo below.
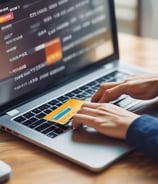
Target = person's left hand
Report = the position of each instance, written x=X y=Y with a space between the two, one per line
x=106 y=118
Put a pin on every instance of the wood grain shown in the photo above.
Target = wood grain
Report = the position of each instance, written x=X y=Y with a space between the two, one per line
x=142 y=52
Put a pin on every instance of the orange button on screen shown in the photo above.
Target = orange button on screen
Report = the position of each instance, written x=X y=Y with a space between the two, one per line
x=53 y=51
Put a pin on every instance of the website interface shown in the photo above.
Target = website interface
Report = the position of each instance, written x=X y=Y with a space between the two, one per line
x=41 y=42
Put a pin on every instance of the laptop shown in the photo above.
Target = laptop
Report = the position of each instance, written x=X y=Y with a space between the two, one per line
x=53 y=51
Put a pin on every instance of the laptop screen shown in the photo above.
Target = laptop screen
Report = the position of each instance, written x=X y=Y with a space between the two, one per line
x=43 y=42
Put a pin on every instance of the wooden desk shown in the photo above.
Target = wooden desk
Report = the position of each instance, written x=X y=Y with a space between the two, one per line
x=32 y=165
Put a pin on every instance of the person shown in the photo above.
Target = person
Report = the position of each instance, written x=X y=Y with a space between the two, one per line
x=139 y=131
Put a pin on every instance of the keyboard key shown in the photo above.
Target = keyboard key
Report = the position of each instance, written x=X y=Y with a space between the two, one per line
x=37 y=123
x=64 y=127
x=20 y=119
x=71 y=95
x=43 y=127
x=58 y=131
x=80 y=96
x=45 y=106
x=90 y=91
x=63 y=98
x=28 y=115
x=93 y=84
x=53 y=108
x=36 y=111
x=53 y=102
x=49 y=129
x=47 y=111
x=59 y=103
x=40 y=115
x=77 y=91
x=30 y=121
x=84 y=87
x=102 y=79
x=84 y=94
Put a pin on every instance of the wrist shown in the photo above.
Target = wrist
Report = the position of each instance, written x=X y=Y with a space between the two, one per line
x=130 y=121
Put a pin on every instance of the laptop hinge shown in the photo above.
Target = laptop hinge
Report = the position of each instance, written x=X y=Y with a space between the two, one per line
x=13 y=112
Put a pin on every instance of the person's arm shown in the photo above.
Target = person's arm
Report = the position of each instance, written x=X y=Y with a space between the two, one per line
x=143 y=135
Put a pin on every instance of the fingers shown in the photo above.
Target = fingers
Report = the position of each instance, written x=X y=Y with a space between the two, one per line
x=109 y=92
x=112 y=94
x=103 y=87
x=91 y=105
x=85 y=115
x=80 y=119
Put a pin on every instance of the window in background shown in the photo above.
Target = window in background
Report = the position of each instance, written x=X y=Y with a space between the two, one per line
x=139 y=17
x=127 y=14
x=149 y=17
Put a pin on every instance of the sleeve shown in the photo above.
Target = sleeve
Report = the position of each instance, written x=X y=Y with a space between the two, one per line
x=143 y=135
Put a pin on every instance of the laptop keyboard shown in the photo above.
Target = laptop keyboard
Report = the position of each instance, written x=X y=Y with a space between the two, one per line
x=34 y=118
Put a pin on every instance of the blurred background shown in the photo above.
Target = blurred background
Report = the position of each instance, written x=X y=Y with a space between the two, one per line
x=138 y=17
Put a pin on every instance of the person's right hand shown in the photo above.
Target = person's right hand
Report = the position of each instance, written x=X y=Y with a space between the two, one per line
x=143 y=87
x=105 y=118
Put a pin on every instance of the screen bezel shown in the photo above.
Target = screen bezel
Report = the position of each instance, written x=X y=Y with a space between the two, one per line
x=41 y=90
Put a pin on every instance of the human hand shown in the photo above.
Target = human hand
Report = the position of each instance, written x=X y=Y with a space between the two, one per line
x=106 y=118
x=141 y=87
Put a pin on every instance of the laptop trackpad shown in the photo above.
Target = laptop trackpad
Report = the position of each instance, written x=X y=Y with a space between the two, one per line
x=90 y=149
x=88 y=135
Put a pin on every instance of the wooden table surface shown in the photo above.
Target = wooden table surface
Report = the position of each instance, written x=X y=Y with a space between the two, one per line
x=33 y=165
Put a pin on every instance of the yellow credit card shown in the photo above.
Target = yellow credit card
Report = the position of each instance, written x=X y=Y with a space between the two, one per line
x=65 y=112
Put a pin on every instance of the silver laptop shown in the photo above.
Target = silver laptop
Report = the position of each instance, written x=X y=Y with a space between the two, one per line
x=50 y=52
